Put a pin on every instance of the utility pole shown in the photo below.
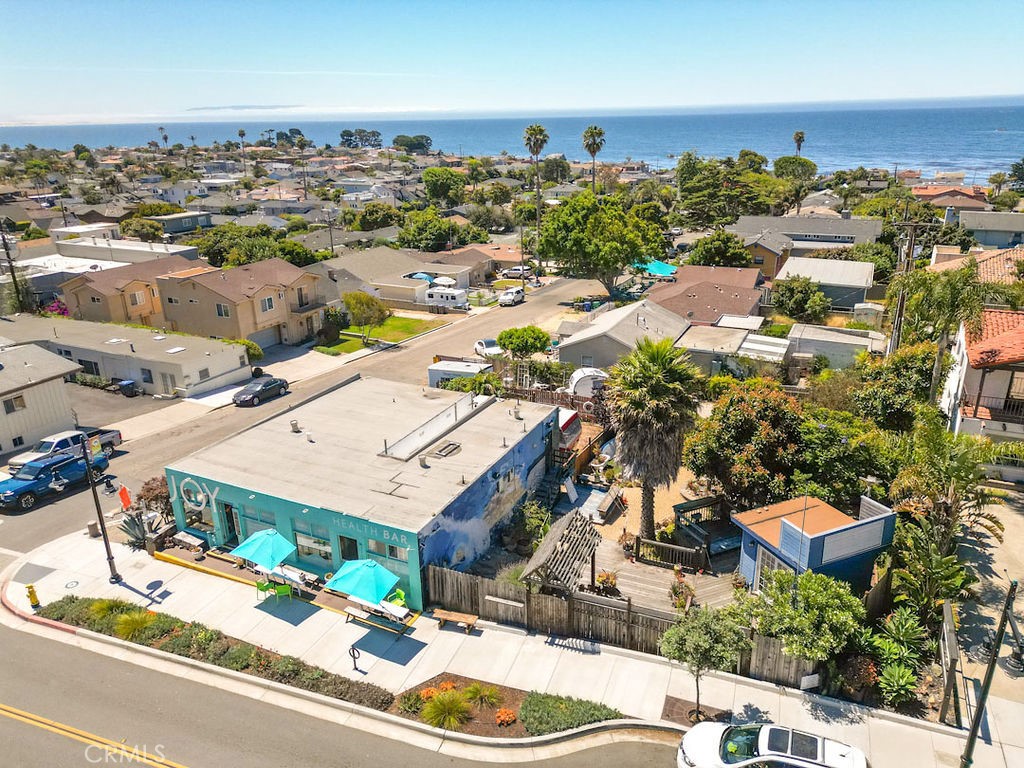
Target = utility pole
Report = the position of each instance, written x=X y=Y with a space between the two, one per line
x=967 y=758
x=906 y=267
x=10 y=266
x=115 y=577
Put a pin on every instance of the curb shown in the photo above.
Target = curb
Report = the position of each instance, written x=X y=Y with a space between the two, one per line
x=635 y=730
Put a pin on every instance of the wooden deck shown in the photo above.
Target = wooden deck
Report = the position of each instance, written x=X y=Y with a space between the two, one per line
x=648 y=585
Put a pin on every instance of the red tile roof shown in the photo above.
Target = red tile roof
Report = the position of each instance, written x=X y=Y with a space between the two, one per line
x=1001 y=340
x=993 y=267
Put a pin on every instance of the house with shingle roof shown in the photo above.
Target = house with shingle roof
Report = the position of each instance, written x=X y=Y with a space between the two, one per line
x=984 y=391
x=994 y=229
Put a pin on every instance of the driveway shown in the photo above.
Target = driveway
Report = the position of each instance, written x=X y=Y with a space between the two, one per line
x=95 y=407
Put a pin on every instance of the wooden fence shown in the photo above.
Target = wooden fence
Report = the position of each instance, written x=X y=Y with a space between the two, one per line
x=587 y=408
x=767 y=661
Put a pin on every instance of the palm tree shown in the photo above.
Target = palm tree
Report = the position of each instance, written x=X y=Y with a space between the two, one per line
x=998 y=181
x=593 y=142
x=192 y=139
x=942 y=302
x=536 y=138
x=301 y=144
x=798 y=139
x=652 y=397
x=241 y=140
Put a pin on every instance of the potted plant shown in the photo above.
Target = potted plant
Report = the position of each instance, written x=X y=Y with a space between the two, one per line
x=607 y=581
x=627 y=541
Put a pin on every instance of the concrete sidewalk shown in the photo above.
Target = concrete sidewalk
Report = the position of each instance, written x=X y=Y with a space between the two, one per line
x=634 y=683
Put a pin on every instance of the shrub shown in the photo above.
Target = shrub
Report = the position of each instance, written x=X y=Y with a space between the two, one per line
x=410 y=703
x=330 y=351
x=254 y=350
x=891 y=652
x=860 y=672
x=286 y=669
x=482 y=695
x=504 y=717
x=544 y=713
x=428 y=693
x=194 y=640
x=356 y=691
x=716 y=386
x=129 y=625
x=69 y=610
x=896 y=684
x=446 y=685
x=513 y=574
x=903 y=626
x=87 y=380
x=666 y=535
x=237 y=657
x=778 y=330
x=447 y=709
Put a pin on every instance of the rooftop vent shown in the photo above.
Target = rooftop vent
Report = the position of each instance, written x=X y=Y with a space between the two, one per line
x=295 y=426
x=115 y=341
x=448 y=449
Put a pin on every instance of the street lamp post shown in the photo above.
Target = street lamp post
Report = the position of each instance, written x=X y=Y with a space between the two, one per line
x=115 y=577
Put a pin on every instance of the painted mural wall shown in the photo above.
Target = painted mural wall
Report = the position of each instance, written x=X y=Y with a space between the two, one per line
x=464 y=531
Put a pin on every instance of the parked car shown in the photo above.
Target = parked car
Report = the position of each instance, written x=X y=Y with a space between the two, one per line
x=516 y=272
x=511 y=297
x=259 y=390
x=67 y=442
x=47 y=476
x=487 y=348
x=720 y=745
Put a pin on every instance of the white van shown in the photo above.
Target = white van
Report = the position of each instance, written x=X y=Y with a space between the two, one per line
x=448 y=297
x=512 y=296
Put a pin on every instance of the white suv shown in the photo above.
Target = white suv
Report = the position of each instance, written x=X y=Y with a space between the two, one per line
x=511 y=297
x=517 y=272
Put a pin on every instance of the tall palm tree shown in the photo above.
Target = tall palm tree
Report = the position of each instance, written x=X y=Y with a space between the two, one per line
x=302 y=144
x=652 y=396
x=593 y=142
x=998 y=181
x=192 y=139
x=798 y=139
x=241 y=140
x=536 y=138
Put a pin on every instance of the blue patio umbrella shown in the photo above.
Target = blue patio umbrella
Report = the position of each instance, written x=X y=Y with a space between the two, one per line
x=423 y=276
x=266 y=548
x=365 y=579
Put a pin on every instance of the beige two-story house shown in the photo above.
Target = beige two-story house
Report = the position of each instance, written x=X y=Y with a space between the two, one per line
x=269 y=302
x=127 y=294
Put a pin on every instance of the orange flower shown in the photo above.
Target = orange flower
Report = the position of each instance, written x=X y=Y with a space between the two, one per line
x=428 y=693
x=446 y=685
x=504 y=717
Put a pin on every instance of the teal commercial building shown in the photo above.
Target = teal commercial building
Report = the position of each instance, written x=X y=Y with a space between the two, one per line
x=401 y=474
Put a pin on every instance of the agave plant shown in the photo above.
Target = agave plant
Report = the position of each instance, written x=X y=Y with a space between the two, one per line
x=903 y=627
x=133 y=525
x=896 y=684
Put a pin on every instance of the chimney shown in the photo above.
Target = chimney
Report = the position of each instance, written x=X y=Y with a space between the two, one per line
x=423 y=461
x=950 y=215
x=295 y=426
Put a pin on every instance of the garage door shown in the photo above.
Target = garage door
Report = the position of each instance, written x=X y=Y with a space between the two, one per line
x=268 y=337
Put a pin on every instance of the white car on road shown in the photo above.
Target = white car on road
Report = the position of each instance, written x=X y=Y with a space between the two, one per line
x=511 y=297
x=488 y=348
x=720 y=745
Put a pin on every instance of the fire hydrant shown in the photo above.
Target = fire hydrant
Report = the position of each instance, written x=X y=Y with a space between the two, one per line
x=33 y=599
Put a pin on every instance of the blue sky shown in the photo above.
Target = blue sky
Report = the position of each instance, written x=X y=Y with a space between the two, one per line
x=119 y=60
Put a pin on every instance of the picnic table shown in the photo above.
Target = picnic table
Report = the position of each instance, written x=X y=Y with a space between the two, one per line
x=466 y=620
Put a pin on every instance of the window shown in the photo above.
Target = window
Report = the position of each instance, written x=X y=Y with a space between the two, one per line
x=266 y=304
x=19 y=441
x=241 y=361
x=766 y=563
x=758 y=259
x=398 y=553
x=172 y=300
x=137 y=298
x=147 y=376
x=152 y=292
x=193 y=301
x=308 y=546
x=64 y=353
x=16 y=403
x=377 y=547
x=349 y=548
x=223 y=310
x=95 y=299
x=303 y=297
x=204 y=374
x=1016 y=391
x=91 y=368
x=387 y=550
x=587 y=361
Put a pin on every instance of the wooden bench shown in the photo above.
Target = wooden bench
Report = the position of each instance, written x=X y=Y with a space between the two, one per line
x=466 y=620
x=351 y=612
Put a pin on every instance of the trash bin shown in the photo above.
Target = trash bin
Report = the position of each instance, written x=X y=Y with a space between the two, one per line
x=94 y=529
x=127 y=387
x=586 y=306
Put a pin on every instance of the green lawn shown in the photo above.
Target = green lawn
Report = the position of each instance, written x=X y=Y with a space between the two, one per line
x=394 y=329
x=500 y=285
x=346 y=345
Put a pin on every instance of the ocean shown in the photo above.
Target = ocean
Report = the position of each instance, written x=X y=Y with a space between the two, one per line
x=976 y=140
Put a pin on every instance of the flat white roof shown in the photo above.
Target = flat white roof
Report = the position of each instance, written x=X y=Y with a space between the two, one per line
x=458 y=366
x=749 y=322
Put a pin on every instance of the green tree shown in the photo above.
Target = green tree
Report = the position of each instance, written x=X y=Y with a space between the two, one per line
x=147 y=231
x=720 y=249
x=296 y=253
x=1017 y=175
x=378 y=216
x=704 y=640
x=712 y=192
x=798 y=139
x=794 y=167
x=652 y=397
x=555 y=170
x=593 y=142
x=157 y=209
x=800 y=298
x=1005 y=201
x=427 y=231
x=813 y=614
x=241 y=141
x=523 y=342
x=365 y=311
x=499 y=194
x=947 y=234
x=535 y=138
x=415 y=145
x=444 y=185
x=890 y=389
x=749 y=160
x=998 y=181
x=597 y=239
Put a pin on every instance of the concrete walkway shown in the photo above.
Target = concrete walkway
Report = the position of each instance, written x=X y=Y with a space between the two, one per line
x=636 y=684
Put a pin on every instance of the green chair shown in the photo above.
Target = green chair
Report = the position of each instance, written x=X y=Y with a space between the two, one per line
x=282 y=590
x=397 y=598
x=263 y=588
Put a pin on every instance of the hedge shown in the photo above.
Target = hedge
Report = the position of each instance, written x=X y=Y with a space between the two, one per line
x=543 y=713
x=202 y=643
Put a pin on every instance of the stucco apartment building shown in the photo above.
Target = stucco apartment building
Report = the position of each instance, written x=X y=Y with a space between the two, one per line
x=269 y=302
x=32 y=393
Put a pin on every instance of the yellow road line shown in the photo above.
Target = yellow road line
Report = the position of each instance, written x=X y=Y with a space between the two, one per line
x=70 y=732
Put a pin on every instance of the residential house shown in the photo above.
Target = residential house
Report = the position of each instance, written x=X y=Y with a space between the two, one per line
x=614 y=333
x=844 y=283
x=126 y=294
x=1000 y=266
x=131 y=251
x=269 y=302
x=984 y=391
x=714 y=348
x=704 y=294
x=176 y=224
x=161 y=363
x=335 y=283
x=932 y=193
x=44 y=275
x=480 y=263
x=396 y=473
x=806 y=533
x=390 y=273
x=32 y=391
x=112 y=212
x=842 y=346
x=995 y=230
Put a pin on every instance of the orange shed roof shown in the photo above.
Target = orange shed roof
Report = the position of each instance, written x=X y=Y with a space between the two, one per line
x=766 y=522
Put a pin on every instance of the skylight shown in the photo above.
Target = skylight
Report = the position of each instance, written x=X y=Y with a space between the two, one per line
x=175 y=350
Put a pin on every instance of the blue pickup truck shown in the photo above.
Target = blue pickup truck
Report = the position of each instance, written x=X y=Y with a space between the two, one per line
x=50 y=475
